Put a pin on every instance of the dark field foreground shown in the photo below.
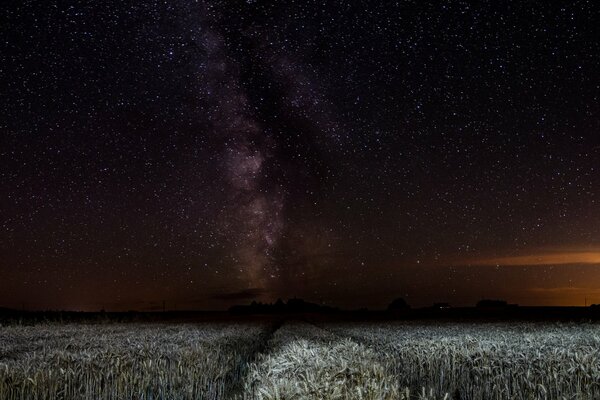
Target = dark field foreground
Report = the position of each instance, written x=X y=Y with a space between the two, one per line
x=299 y=360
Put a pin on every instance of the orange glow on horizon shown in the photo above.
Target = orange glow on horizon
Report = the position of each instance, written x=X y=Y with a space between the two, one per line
x=548 y=258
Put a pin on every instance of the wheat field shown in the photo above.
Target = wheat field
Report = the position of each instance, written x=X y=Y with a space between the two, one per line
x=299 y=360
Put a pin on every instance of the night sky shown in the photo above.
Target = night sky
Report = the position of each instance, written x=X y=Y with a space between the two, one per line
x=218 y=152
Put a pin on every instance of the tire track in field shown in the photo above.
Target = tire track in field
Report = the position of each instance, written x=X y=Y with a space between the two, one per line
x=304 y=361
x=234 y=379
x=408 y=392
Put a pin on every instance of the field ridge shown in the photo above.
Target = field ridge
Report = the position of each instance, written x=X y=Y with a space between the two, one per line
x=234 y=380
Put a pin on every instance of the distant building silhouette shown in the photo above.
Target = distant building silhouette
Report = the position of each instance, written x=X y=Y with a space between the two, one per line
x=441 y=306
x=487 y=303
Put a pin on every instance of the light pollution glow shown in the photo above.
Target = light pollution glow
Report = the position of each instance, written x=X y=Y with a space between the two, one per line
x=542 y=258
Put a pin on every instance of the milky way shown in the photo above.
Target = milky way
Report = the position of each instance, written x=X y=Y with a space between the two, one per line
x=253 y=213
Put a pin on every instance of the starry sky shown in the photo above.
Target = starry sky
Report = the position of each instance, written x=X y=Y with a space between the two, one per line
x=208 y=153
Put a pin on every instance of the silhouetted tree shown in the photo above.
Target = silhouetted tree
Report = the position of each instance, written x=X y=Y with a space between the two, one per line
x=398 y=304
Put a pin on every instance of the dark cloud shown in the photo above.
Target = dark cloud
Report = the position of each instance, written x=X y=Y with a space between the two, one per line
x=242 y=294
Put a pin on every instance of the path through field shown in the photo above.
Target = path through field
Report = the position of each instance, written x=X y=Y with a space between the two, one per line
x=303 y=361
